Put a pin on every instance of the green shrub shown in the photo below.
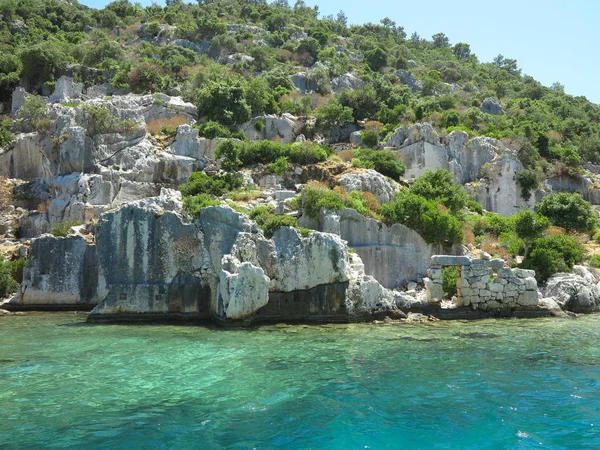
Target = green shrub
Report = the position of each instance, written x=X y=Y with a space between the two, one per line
x=266 y=152
x=62 y=229
x=595 y=261
x=528 y=180
x=280 y=166
x=259 y=125
x=230 y=153
x=213 y=130
x=34 y=112
x=100 y=120
x=386 y=162
x=552 y=254
x=496 y=224
x=449 y=279
x=16 y=269
x=5 y=134
x=295 y=202
x=274 y=223
x=423 y=216
x=217 y=185
x=569 y=211
x=307 y=153
x=439 y=186
x=475 y=206
x=370 y=138
x=223 y=101
x=8 y=284
x=192 y=204
x=316 y=198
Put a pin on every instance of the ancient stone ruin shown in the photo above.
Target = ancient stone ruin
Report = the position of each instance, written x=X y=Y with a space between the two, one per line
x=484 y=283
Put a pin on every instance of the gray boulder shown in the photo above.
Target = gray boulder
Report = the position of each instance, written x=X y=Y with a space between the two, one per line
x=65 y=90
x=573 y=292
x=408 y=79
x=491 y=106
x=371 y=181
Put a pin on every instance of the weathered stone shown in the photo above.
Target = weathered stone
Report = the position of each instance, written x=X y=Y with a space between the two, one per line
x=491 y=106
x=447 y=260
x=371 y=181
x=573 y=292
x=528 y=298
x=66 y=89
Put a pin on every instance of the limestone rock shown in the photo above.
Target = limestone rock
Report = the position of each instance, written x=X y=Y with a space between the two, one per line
x=573 y=292
x=66 y=89
x=370 y=181
x=491 y=106
x=346 y=81
x=59 y=271
x=408 y=79
x=283 y=128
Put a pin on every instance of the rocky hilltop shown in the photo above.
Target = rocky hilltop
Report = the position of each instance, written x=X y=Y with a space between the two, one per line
x=243 y=163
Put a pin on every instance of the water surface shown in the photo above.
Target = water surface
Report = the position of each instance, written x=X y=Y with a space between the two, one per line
x=481 y=385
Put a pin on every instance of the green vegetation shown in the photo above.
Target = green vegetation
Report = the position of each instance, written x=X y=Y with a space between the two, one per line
x=553 y=254
x=217 y=185
x=11 y=273
x=386 y=162
x=449 y=279
x=62 y=229
x=316 y=197
x=270 y=222
x=569 y=211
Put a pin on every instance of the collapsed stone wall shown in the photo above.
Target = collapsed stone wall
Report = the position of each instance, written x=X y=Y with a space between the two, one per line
x=484 y=284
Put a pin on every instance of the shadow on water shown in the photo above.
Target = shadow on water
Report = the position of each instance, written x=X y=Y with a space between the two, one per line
x=476 y=335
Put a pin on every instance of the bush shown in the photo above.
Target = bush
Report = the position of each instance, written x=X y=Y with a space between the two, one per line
x=449 y=279
x=440 y=187
x=386 y=162
x=34 y=113
x=230 y=153
x=217 y=185
x=552 y=254
x=8 y=284
x=194 y=203
x=213 y=130
x=316 y=198
x=528 y=180
x=280 y=166
x=62 y=229
x=5 y=135
x=370 y=138
x=475 y=206
x=595 y=261
x=100 y=120
x=332 y=114
x=224 y=102
x=266 y=152
x=274 y=223
x=569 y=211
x=423 y=216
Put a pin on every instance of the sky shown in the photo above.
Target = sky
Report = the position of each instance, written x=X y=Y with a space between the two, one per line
x=552 y=40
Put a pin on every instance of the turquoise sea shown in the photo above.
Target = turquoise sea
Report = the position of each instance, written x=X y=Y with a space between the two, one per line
x=491 y=384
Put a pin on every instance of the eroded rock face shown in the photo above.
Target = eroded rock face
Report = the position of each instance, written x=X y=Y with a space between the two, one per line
x=60 y=271
x=576 y=292
x=371 y=181
x=283 y=128
x=392 y=255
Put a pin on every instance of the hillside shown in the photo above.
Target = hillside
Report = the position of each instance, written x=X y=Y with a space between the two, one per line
x=290 y=120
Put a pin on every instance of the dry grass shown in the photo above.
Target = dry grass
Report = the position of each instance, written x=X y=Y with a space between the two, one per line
x=346 y=155
x=373 y=125
x=5 y=193
x=245 y=195
x=468 y=235
x=164 y=125
x=372 y=202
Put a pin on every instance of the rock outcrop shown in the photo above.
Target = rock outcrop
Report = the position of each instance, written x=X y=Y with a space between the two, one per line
x=283 y=128
x=577 y=292
x=382 y=188
x=491 y=106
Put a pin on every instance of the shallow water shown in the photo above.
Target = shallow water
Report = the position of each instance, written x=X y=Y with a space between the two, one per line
x=482 y=385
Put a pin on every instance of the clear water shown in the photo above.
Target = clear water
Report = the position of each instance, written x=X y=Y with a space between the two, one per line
x=481 y=385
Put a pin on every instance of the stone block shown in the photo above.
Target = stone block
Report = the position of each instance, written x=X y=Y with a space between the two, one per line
x=523 y=273
x=284 y=195
x=448 y=260
x=495 y=287
x=528 y=298
x=495 y=263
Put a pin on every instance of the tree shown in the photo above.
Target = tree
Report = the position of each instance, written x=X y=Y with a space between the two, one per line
x=41 y=61
x=223 y=101
x=569 y=211
x=552 y=254
x=439 y=186
x=462 y=50
x=423 y=216
x=415 y=38
x=529 y=226
x=332 y=114
x=230 y=154
x=376 y=59
x=510 y=65
x=440 y=40
x=341 y=18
